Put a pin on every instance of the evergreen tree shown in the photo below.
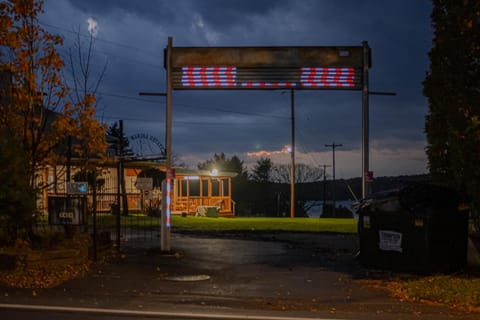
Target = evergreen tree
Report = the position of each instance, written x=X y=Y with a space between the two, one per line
x=223 y=163
x=452 y=86
x=262 y=172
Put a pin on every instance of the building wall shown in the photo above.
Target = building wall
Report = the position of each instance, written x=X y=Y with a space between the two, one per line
x=51 y=181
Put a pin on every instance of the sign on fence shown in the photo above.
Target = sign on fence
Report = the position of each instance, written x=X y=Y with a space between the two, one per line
x=67 y=210
x=144 y=183
x=77 y=187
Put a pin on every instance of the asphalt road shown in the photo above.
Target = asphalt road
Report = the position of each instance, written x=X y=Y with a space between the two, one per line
x=24 y=312
x=239 y=276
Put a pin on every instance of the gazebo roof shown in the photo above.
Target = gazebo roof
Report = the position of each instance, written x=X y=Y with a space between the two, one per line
x=204 y=173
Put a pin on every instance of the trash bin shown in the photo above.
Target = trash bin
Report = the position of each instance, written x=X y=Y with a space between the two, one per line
x=418 y=228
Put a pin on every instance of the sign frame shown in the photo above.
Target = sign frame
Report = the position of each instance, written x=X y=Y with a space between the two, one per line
x=268 y=68
x=171 y=64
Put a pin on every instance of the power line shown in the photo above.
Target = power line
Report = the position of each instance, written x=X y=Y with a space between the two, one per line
x=120 y=96
x=122 y=45
x=234 y=112
x=189 y=123
x=309 y=151
x=110 y=54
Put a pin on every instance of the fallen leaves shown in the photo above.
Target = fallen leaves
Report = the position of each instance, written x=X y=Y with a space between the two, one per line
x=460 y=292
x=42 y=278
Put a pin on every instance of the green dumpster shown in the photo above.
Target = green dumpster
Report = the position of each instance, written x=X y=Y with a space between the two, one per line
x=417 y=228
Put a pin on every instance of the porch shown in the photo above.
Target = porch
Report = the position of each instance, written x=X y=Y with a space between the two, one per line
x=194 y=189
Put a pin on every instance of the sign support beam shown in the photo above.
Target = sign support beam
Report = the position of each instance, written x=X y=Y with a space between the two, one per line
x=292 y=156
x=165 y=225
x=366 y=186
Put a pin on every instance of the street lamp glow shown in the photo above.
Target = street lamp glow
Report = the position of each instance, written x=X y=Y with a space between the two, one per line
x=214 y=172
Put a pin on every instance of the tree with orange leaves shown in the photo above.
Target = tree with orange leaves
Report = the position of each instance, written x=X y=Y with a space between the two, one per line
x=35 y=113
x=39 y=112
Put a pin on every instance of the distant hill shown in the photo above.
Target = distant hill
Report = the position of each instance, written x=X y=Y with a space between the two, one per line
x=314 y=190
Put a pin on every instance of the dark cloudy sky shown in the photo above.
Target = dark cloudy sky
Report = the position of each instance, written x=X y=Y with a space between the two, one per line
x=131 y=35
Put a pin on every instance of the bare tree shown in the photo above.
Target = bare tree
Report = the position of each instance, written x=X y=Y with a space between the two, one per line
x=303 y=173
x=90 y=138
x=84 y=78
x=84 y=82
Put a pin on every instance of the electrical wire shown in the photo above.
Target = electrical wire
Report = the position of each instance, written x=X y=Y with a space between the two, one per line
x=122 y=45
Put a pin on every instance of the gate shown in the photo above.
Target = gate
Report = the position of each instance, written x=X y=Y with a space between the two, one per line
x=138 y=228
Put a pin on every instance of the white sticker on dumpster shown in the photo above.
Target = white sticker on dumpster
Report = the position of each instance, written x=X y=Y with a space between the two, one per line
x=390 y=240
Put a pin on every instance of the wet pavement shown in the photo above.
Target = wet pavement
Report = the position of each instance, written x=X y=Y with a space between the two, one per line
x=284 y=274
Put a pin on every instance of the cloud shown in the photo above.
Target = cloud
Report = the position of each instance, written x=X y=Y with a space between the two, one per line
x=199 y=27
x=92 y=26
x=265 y=153
x=134 y=34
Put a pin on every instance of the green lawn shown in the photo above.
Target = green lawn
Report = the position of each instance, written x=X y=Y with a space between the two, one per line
x=231 y=224
x=264 y=224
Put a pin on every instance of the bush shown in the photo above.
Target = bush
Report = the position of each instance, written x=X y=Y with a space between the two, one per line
x=17 y=196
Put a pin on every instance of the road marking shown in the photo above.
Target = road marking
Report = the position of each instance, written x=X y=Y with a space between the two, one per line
x=152 y=313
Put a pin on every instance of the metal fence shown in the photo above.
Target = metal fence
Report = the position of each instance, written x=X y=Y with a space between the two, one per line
x=137 y=228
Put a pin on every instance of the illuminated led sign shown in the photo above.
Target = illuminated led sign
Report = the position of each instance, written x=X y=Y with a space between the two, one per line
x=267 y=68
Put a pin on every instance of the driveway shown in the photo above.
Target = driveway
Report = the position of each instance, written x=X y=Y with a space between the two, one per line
x=284 y=274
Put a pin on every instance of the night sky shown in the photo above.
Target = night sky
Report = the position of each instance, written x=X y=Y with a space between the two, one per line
x=130 y=37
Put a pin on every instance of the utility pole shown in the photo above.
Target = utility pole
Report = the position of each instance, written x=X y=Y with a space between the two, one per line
x=324 y=185
x=365 y=122
x=333 y=146
x=164 y=227
x=165 y=221
x=121 y=146
x=292 y=156
x=119 y=186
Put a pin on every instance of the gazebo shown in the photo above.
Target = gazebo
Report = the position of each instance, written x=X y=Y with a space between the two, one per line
x=199 y=190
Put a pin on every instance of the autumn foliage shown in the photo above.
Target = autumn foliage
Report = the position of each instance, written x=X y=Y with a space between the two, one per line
x=35 y=111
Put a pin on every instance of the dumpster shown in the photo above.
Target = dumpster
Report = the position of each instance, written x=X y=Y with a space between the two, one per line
x=418 y=228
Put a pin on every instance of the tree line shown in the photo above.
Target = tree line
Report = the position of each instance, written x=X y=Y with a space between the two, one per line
x=265 y=188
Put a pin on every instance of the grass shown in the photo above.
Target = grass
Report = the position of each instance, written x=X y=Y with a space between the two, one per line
x=264 y=224
x=454 y=290
x=191 y=223
x=459 y=291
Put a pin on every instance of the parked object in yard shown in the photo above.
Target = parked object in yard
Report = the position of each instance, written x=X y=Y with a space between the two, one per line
x=417 y=228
